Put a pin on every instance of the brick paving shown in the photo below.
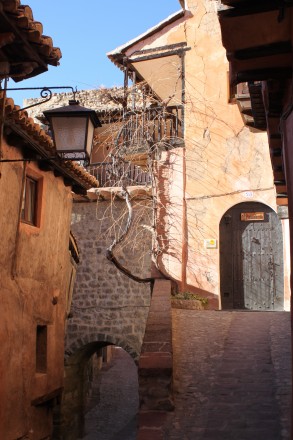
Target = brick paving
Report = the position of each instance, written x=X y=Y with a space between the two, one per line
x=232 y=376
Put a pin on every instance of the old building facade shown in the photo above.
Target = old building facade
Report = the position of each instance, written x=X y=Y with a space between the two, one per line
x=211 y=187
x=219 y=228
x=38 y=253
x=267 y=61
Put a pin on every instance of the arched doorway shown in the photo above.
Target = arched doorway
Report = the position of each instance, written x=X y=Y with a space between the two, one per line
x=251 y=258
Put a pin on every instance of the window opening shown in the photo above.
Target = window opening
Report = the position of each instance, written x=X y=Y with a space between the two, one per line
x=41 y=349
x=29 y=201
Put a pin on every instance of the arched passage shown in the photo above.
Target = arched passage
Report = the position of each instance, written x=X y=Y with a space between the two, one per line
x=251 y=258
x=113 y=402
x=70 y=413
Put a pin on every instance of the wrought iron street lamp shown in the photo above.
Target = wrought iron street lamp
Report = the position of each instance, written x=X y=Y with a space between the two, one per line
x=73 y=130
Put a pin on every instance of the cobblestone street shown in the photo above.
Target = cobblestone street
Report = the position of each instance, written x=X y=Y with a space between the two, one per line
x=232 y=374
x=232 y=380
x=114 y=417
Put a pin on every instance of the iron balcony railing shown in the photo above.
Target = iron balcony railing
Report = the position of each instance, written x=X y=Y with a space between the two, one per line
x=125 y=173
x=144 y=129
x=141 y=132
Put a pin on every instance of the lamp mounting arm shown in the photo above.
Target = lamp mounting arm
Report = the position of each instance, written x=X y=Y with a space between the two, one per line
x=45 y=93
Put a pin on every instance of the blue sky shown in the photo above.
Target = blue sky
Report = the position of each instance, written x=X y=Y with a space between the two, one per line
x=85 y=31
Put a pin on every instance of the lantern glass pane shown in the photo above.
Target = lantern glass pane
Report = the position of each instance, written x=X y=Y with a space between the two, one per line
x=69 y=133
x=90 y=136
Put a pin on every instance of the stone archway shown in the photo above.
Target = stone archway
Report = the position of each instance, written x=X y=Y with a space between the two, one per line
x=251 y=258
x=69 y=414
x=113 y=402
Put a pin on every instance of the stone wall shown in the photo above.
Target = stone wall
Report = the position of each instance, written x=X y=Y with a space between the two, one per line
x=108 y=306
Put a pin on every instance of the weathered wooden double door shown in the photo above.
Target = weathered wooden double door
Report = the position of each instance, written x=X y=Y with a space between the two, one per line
x=251 y=258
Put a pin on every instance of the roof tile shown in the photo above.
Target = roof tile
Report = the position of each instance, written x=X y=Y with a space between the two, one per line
x=21 y=16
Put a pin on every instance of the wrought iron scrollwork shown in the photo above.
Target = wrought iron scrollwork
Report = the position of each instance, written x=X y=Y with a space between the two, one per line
x=45 y=93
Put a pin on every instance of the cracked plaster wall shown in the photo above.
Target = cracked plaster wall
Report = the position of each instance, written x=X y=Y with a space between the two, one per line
x=223 y=163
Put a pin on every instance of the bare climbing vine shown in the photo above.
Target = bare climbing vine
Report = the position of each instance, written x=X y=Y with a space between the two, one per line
x=132 y=144
x=131 y=150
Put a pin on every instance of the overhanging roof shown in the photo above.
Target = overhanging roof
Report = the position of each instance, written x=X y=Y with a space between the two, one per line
x=257 y=42
x=117 y=54
x=160 y=67
x=24 y=50
x=257 y=37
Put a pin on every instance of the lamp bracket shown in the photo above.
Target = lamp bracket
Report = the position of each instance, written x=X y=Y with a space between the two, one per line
x=45 y=93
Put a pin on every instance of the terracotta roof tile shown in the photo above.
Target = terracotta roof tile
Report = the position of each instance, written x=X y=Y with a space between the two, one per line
x=15 y=15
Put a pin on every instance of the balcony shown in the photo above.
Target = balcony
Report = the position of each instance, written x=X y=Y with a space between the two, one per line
x=144 y=130
x=141 y=135
x=125 y=173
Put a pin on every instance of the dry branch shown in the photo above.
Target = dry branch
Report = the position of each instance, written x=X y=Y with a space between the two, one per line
x=110 y=251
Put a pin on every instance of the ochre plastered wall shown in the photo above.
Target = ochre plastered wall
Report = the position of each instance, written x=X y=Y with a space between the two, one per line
x=35 y=268
x=223 y=163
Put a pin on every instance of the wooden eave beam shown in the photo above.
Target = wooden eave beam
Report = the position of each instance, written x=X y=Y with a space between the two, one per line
x=156 y=55
x=279 y=176
x=277 y=48
x=166 y=48
x=282 y=201
x=277 y=162
x=281 y=189
x=262 y=31
x=277 y=66
x=263 y=74
x=251 y=8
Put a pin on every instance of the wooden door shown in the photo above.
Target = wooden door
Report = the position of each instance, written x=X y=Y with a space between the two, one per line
x=251 y=258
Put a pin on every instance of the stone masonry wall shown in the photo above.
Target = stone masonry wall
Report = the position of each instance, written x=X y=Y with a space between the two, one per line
x=108 y=306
